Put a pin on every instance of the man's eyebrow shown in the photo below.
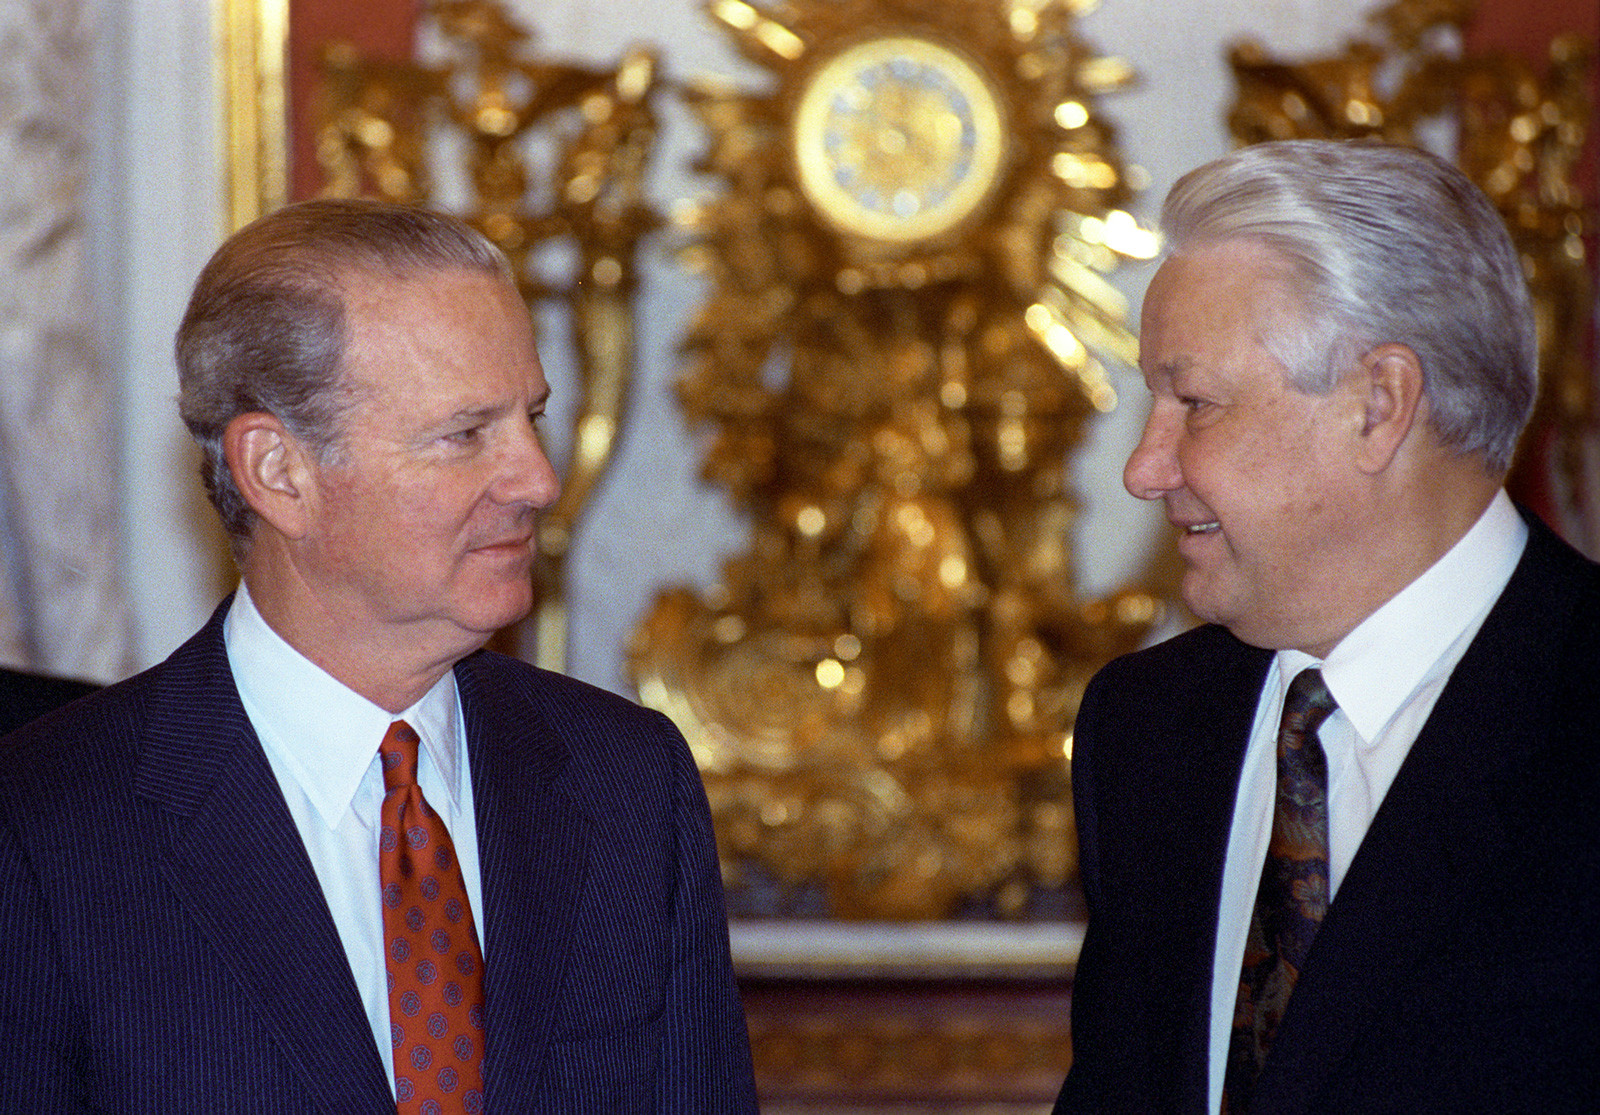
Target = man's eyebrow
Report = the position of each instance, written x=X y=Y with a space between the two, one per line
x=1165 y=369
x=462 y=419
x=492 y=410
x=473 y=414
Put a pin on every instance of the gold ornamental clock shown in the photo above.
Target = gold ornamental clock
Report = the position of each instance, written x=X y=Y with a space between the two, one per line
x=898 y=138
x=900 y=346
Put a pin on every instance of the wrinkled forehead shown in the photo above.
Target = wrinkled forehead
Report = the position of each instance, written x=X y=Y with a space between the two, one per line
x=1225 y=304
x=361 y=280
x=426 y=300
x=439 y=334
x=1257 y=255
x=1233 y=278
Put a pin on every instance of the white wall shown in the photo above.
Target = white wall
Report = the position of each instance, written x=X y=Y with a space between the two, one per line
x=652 y=524
x=158 y=189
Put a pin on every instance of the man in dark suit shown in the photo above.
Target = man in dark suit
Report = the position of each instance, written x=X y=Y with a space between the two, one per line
x=26 y=696
x=217 y=897
x=1341 y=844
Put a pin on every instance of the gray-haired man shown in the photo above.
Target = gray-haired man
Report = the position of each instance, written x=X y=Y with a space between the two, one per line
x=1341 y=845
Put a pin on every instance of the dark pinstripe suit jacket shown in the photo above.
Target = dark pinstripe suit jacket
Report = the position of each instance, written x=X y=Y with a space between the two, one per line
x=1458 y=969
x=167 y=948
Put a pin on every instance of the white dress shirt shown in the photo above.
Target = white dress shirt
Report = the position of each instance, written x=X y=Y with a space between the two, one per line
x=322 y=739
x=1386 y=676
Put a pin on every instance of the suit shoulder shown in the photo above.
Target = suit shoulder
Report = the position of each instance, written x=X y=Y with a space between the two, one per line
x=1547 y=619
x=97 y=721
x=600 y=735
x=625 y=766
x=74 y=768
x=1548 y=552
x=100 y=733
x=25 y=696
x=1201 y=657
x=1557 y=605
x=568 y=699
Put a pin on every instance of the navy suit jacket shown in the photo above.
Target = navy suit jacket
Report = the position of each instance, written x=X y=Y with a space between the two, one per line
x=1458 y=968
x=168 y=947
x=27 y=696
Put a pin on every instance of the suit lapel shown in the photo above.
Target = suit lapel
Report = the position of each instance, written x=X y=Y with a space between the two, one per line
x=1164 y=734
x=532 y=847
x=1439 y=826
x=1226 y=698
x=236 y=861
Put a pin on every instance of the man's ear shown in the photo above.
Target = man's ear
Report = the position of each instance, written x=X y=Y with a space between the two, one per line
x=272 y=470
x=1390 y=402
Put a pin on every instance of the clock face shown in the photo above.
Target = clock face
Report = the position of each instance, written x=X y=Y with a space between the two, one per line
x=898 y=139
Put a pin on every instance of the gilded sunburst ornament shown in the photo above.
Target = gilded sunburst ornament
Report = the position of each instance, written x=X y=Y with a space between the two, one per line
x=902 y=341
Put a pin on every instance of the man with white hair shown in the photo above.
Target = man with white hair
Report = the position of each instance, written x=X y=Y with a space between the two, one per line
x=1341 y=843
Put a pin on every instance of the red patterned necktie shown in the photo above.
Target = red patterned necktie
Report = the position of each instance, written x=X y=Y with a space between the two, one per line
x=1293 y=895
x=431 y=946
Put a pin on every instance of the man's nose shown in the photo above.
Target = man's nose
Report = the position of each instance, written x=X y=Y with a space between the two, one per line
x=1152 y=470
x=526 y=473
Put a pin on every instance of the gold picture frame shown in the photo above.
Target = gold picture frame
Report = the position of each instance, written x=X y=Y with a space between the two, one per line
x=252 y=52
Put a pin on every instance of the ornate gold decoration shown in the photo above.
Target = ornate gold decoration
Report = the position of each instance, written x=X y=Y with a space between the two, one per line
x=898 y=138
x=897 y=356
x=1519 y=135
x=583 y=192
x=253 y=43
x=957 y=1052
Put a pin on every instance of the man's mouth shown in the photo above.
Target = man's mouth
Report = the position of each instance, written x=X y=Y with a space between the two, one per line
x=517 y=542
x=1202 y=528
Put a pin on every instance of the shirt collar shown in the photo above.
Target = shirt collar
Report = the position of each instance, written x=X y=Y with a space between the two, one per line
x=326 y=733
x=1375 y=668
